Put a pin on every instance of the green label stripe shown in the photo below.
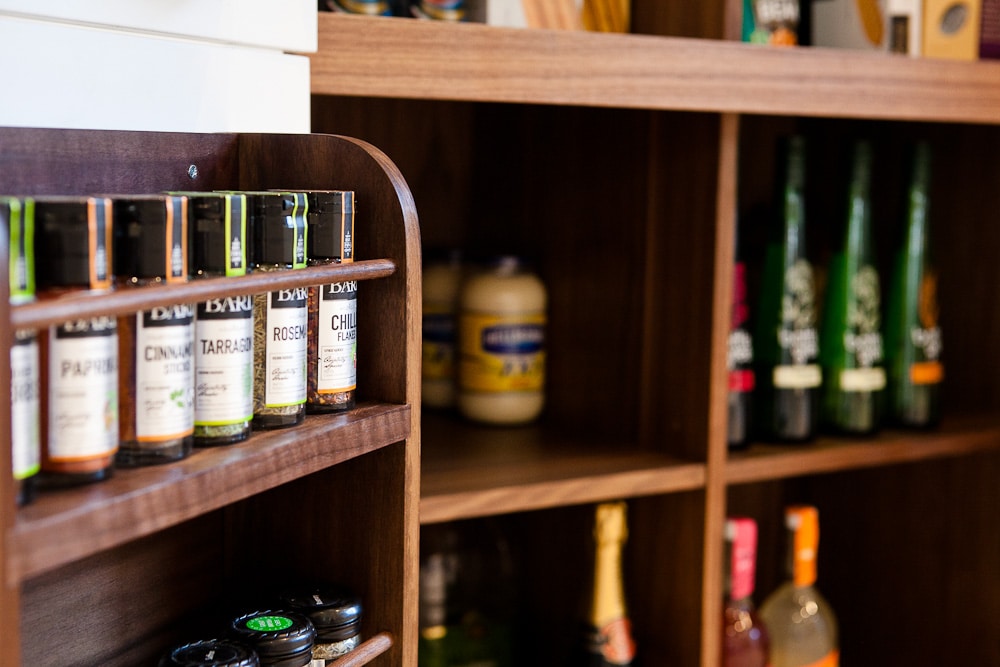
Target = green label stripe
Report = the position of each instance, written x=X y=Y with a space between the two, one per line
x=232 y=422
x=269 y=623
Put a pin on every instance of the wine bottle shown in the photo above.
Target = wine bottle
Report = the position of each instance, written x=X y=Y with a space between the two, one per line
x=745 y=642
x=609 y=639
x=786 y=341
x=851 y=352
x=739 y=360
x=912 y=331
x=799 y=620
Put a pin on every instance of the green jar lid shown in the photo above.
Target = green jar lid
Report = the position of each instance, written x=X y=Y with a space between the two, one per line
x=279 y=637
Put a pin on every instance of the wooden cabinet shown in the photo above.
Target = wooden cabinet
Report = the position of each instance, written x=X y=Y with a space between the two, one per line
x=619 y=163
x=115 y=572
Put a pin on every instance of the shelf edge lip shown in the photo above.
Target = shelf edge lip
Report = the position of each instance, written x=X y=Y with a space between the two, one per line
x=47 y=312
x=547 y=494
x=197 y=486
x=480 y=63
x=838 y=455
x=367 y=651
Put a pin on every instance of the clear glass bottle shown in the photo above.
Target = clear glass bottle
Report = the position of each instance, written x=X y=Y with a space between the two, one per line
x=501 y=373
x=801 y=624
x=155 y=346
x=912 y=329
x=223 y=397
x=278 y=243
x=786 y=342
x=851 y=351
x=78 y=358
x=745 y=642
x=333 y=309
x=25 y=407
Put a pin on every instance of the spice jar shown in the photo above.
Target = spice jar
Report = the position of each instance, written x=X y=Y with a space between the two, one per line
x=223 y=331
x=78 y=358
x=336 y=615
x=155 y=346
x=280 y=638
x=442 y=280
x=333 y=308
x=502 y=344
x=24 y=365
x=278 y=232
x=211 y=653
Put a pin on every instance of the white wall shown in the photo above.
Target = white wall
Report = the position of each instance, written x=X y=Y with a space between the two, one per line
x=172 y=65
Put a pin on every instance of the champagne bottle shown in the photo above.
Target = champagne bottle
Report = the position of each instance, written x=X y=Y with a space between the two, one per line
x=745 y=642
x=788 y=376
x=799 y=620
x=912 y=332
x=739 y=360
x=609 y=633
x=851 y=352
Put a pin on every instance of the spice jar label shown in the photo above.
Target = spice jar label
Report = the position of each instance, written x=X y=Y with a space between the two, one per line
x=164 y=376
x=285 y=346
x=224 y=361
x=337 y=341
x=83 y=389
x=24 y=405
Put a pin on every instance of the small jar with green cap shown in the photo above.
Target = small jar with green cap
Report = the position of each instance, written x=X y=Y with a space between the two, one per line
x=211 y=653
x=156 y=346
x=336 y=614
x=223 y=397
x=277 y=223
x=280 y=638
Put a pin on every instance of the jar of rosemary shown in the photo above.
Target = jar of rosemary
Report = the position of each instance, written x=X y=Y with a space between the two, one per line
x=335 y=612
x=79 y=358
x=155 y=346
x=333 y=309
x=278 y=233
x=223 y=332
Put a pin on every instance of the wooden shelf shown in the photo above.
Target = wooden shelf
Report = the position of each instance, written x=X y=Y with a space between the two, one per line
x=473 y=471
x=956 y=437
x=64 y=526
x=430 y=60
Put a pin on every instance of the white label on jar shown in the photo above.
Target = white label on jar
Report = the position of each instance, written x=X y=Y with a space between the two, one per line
x=223 y=390
x=83 y=390
x=164 y=373
x=285 y=348
x=24 y=406
x=338 y=338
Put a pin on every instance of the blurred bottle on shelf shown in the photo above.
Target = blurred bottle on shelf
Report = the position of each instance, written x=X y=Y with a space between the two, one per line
x=466 y=596
x=788 y=378
x=739 y=359
x=851 y=351
x=745 y=642
x=799 y=620
x=442 y=281
x=912 y=330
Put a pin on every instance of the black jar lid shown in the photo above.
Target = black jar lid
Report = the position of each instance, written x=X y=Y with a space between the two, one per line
x=217 y=229
x=277 y=223
x=73 y=240
x=335 y=611
x=150 y=237
x=211 y=653
x=276 y=635
x=331 y=224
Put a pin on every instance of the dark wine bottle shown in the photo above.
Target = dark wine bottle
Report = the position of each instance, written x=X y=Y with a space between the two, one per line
x=739 y=360
x=788 y=378
x=851 y=353
x=912 y=331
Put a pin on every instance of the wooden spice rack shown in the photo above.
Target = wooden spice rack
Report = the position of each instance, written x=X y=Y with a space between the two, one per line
x=118 y=569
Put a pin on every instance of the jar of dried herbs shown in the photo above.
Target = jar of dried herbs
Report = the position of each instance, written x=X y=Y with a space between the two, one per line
x=19 y=216
x=333 y=308
x=211 y=653
x=280 y=638
x=278 y=233
x=223 y=385
x=78 y=358
x=335 y=612
x=156 y=346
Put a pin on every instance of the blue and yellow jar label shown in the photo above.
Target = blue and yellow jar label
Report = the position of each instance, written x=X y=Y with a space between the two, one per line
x=500 y=353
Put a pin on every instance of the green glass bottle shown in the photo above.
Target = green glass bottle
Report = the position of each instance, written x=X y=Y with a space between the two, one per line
x=912 y=331
x=786 y=346
x=851 y=351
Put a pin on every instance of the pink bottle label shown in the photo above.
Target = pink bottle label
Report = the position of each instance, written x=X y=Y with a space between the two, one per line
x=743 y=533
